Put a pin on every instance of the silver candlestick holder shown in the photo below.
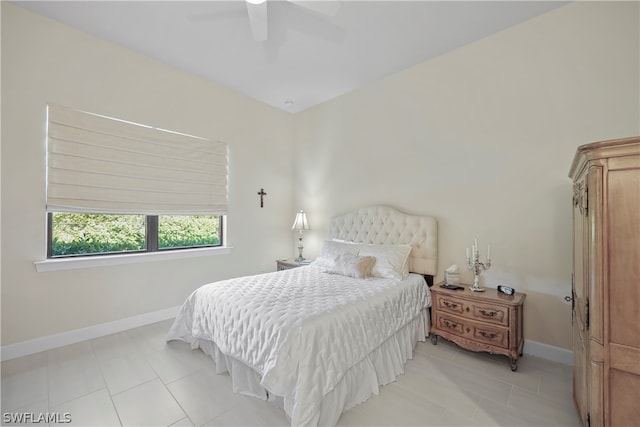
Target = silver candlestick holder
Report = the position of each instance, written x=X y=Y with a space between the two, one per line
x=474 y=264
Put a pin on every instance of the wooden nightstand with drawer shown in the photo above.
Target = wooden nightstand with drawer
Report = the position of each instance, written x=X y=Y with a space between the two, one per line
x=479 y=321
x=284 y=264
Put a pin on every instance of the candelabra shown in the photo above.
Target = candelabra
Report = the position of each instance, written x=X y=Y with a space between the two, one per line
x=473 y=263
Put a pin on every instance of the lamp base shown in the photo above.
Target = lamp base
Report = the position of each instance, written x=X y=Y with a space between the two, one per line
x=300 y=248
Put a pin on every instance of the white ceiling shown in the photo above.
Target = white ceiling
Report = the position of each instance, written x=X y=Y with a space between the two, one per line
x=308 y=58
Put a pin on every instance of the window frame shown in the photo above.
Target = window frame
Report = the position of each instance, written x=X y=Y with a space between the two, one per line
x=151 y=240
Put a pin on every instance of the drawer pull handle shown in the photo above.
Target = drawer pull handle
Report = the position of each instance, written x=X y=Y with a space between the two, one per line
x=488 y=313
x=449 y=304
x=450 y=325
x=489 y=335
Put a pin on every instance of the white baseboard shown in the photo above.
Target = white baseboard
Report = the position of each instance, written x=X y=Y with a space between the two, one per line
x=12 y=351
x=549 y=352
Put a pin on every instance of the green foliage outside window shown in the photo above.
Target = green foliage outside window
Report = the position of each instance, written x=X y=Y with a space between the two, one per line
x=78 y=234
x=75 y=234
x=176 y=231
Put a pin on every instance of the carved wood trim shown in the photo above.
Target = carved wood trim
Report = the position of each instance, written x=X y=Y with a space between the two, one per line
x=580 y=197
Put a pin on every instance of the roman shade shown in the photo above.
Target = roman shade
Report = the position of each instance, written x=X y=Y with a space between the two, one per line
x=97 y=164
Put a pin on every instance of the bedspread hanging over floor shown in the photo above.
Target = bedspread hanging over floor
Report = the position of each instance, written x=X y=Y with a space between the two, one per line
x=304 y=332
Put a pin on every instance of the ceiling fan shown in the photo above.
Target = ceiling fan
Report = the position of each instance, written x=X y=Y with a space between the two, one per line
x=257 y=11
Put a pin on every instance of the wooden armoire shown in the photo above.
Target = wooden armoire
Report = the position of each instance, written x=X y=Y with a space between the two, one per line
x=606 y=282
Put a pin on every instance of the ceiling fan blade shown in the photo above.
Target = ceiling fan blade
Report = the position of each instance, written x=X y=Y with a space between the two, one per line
x=257 y=10
x=325 y=7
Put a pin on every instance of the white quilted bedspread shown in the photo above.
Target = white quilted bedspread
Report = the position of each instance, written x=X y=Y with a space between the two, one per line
x=301 y=329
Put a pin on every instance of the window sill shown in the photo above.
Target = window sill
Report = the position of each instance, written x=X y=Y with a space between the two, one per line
x=119 y=259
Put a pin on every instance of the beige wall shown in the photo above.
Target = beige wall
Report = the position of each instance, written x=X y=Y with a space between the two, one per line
x=42 y=62
x=482 y=138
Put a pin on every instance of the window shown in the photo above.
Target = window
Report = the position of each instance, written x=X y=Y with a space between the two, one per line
x=181 y=231
x=73 y=234
x=119 y=187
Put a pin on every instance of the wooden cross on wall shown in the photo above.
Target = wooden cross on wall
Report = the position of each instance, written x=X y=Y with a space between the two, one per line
x=261 y=193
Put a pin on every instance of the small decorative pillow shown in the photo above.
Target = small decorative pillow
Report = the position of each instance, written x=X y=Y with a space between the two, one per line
x=392 y=261
x=352 y=265
x=331 y=250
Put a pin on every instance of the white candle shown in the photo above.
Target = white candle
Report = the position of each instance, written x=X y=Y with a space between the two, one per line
x=467 y=252
x=488 y=251
x=473 y=251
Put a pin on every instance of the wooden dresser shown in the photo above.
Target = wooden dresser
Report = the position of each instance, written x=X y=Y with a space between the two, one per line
x=606 y=282
x=479 y=321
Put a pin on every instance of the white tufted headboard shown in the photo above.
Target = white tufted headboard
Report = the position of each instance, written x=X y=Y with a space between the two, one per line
x=385 y=225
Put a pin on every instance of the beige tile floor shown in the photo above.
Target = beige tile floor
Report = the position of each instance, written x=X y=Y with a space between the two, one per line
x=134 y=378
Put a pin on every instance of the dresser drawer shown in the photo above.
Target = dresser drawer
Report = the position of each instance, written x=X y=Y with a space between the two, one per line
x=476 y=331
x=450 y=324
x=489 y=335
x=489 y=313
x=473 y=310
x=449 y=305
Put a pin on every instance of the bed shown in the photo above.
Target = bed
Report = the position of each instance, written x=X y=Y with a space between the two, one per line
x=319 y=339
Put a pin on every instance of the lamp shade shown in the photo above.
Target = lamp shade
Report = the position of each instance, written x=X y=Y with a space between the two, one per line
x=300 y=222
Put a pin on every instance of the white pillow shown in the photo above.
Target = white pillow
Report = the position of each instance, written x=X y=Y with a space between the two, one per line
x=349 y=242
x=331 y=250
x=352 y=265
x=392 y=261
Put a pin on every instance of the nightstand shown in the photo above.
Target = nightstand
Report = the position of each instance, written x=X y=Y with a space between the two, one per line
x=285 y=264
x=479 y=321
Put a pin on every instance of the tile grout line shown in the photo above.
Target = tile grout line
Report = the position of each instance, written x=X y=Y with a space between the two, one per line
x=104 y=379
x=106 y=386
x=166 y=386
